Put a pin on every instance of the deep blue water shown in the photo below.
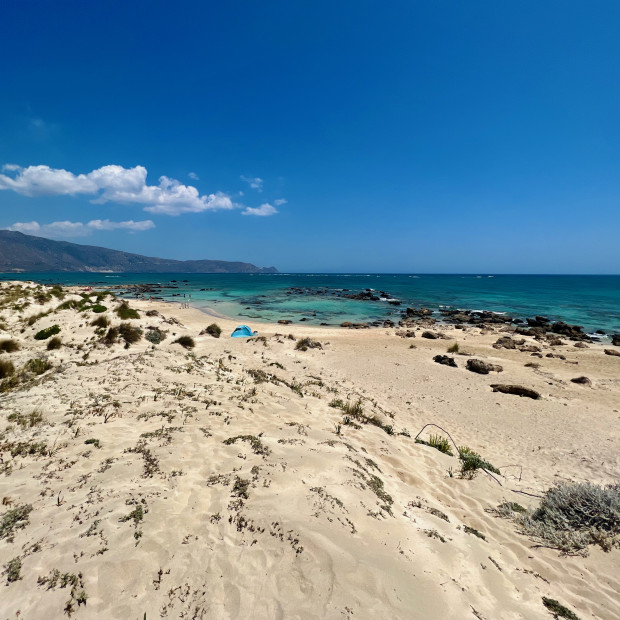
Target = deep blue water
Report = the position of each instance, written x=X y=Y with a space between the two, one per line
x=590 y=301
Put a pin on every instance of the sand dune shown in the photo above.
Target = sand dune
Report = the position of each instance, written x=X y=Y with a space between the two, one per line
x=218 y=482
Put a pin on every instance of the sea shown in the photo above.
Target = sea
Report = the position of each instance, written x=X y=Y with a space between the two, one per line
x=590 y=301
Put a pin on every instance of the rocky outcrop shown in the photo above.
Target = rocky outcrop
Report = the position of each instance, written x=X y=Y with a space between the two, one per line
x=517 y=390
x=482 y=368
x=615 y=340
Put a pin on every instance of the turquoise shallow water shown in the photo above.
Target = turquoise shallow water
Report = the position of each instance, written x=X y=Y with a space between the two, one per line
x=590 y=301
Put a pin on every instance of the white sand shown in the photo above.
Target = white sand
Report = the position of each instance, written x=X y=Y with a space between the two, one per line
x=317 y=535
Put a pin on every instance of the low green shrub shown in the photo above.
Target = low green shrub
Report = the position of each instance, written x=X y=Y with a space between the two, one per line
x=38 y=366
x=155 y=335
x=471 y=462
x=454 y=348
x=15 y=519
x=46 y=333
x=439 y=443
x=98 y=308
x=124 y=312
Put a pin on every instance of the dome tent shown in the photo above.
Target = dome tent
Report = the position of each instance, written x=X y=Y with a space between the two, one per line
x=243 y=331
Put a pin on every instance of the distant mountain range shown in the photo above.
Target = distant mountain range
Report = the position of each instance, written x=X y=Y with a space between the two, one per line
x=25 y=253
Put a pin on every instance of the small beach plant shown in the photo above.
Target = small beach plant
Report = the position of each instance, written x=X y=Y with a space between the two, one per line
x=185 y=341
x=214 y=330
x=454 y=348
x=124 y=312
x=9 y=346
x=6 y=368
x=54 y=343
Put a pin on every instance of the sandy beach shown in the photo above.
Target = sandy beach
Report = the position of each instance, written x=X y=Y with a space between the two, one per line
x=250 y=478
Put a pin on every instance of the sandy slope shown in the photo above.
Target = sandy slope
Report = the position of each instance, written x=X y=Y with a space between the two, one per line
x=308 y=519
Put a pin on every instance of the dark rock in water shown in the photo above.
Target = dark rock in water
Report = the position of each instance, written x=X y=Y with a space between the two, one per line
x=600 y=331
x=303 y=319
x=506 y=342
x=419 y=312
x=615 y=340
x=482 y=368
x=581 y=381
x=394 y=302
x=612 y=352
x=323 y=323
x=581 y=345
x=574 y=332
x=445 y=360
x=538 y=321
x=388 y=323
x=285 y=321
x=517 y=390
x=430 y=335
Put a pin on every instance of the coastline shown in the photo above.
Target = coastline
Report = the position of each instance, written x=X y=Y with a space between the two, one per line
x=312 y=516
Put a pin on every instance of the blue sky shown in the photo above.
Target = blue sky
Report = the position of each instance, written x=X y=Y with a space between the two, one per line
x=355 y=136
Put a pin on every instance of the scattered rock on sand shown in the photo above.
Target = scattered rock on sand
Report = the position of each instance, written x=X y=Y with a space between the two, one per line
x=581 y=345
x=612 y=352
x=430 y=335
x=581 y=381
x=517 y=390
x=285 y=321
x=445 y=360
x=355 y=325
x=506 y=342
x=482 y=368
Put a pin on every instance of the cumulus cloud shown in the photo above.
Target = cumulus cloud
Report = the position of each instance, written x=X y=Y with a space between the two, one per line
x=67 y=229
x=113 y=184
x=254 y=182
x=264 y=209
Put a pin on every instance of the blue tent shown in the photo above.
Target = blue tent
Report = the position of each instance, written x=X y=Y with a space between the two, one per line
x=243 y=331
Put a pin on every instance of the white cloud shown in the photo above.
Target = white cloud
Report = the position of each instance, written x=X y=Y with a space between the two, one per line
x=264 y=209
x=67 y=229
x=254 y=182
x=113 y=184
x=193 y=176
x=128 y=225
x=280 y=201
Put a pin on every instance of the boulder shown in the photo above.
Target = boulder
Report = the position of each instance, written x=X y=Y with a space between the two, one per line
x=482 y=368
x=581 y=345
x=445 y=360
x=517 y=390
x=581 y=381
x=430 y=335
x=615 y=340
